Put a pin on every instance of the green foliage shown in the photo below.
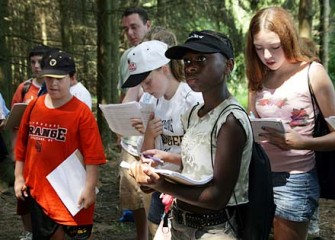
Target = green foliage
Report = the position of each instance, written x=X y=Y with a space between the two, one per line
x=331 y=66
x=237 y=83
x=72 y=25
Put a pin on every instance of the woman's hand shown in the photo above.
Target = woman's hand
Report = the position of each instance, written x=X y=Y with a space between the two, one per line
x=154 y=127
x=286 y=141
x=151 y=160
x=144 y=174
x=162 y=155
x=137 y=123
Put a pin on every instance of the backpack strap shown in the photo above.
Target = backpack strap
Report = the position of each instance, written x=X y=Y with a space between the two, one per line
x=26 y=86
x=231 y=107
x=191 y=112
x=29 y=114
x=227 y=108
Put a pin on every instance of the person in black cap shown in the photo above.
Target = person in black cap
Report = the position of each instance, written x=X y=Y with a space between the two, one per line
x=58 y=129
x=217 y=145
x=77 y=89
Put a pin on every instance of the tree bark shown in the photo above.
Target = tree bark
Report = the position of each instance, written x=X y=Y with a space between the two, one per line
x=5 y=63
x=324 y=32
x=107 y=46
x=65 y=25
x=305 y=18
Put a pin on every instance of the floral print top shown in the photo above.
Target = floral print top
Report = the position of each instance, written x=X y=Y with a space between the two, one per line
x=291 y=102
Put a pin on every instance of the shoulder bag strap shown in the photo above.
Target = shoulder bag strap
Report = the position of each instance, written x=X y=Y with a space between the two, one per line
x=313 y=98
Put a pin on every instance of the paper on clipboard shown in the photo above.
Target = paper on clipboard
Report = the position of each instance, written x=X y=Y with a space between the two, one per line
x=118 y=116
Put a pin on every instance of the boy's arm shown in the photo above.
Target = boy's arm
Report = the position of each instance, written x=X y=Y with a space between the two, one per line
x=19 y=185
x=88 y=195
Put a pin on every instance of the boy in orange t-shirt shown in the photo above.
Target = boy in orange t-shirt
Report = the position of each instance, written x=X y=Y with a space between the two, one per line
x=52 y=128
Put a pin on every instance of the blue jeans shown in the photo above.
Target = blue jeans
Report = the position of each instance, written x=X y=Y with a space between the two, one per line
x=296 y=195
x=156 y=209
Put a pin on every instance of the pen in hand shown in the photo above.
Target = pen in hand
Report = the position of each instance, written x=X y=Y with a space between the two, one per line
x=155 y=159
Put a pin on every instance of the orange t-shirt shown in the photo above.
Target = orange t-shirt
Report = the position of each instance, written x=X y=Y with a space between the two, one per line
x=30 y=94
x=54 y=134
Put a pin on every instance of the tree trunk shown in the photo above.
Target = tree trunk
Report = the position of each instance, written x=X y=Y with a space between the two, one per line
x=305 y=18
x=324 y=32
x=5 y=63
x=65 y=25
x=161 y=12
x=107 y=45
x=6 y=88
x=115 y=52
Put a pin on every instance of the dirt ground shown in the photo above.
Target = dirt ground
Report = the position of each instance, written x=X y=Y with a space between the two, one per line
x=107 y=214
x=107 y=225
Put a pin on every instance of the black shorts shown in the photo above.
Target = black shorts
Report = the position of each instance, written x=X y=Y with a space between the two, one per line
x=23 y=206
x=44 y=227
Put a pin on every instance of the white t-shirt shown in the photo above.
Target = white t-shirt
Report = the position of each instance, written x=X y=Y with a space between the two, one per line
x=3 y=109
x=170 y=112
x=123 y=69
x=80 y=92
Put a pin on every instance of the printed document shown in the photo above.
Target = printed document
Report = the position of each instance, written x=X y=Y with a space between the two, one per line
x=68 y=180
x=118 y=116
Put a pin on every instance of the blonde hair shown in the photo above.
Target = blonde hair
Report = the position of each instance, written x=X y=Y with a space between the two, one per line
x=279 y=21
x=164 y=35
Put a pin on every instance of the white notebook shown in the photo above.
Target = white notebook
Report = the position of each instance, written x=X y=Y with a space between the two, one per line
x=258 y=124
x=176 y=177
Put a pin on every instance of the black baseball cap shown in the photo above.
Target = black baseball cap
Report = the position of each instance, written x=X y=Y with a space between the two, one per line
x=57 y=64
x=202 y=41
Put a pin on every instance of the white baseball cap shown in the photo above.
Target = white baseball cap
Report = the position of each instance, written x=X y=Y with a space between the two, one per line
x=144 y=58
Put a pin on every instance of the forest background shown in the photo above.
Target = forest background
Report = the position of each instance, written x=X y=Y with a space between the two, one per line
x=91 y=31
